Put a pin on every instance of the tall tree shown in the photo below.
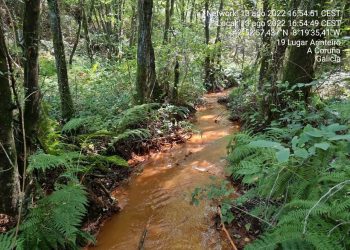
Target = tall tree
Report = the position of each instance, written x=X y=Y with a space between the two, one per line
x=61 y=64
x=266 y=45
x=9 y=191
x=133 y=25
x=207 y=66
x=78 y=17
x=147 y=87
x=271 y=100
x=192 y=10
x=31 y=70
x=86 y=33
x=280 y=48
x=218 y=34
x=167 y=22
x=169 y=11
x=299 y=67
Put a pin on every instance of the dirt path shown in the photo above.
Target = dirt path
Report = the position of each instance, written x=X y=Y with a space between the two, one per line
x=156 y=203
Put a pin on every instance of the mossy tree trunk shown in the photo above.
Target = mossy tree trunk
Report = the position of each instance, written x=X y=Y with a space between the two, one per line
x=280 y=48
x=9 y=191
x=272 y=75
x=31 y=70
x=299 y=61
x=147 y=87
x=300 y=66
x=61 y=64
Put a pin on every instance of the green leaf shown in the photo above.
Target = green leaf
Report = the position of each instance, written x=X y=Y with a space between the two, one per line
x=301 y=152
x=283 y=155
x=336 y=127
x=117 y=160
x=340 y=137
x=295 y=141
x=249 y=179
x=265 y=144
x=247 y=226
x=312 y=150
x=315 y=133
x=323 y=145
x=7 y=241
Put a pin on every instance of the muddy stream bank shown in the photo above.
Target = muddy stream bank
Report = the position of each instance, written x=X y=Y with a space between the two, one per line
x=156 y=203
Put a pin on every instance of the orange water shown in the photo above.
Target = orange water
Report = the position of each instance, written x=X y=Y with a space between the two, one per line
x=156 y=203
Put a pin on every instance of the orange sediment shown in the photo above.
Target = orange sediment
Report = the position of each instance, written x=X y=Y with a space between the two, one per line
x=157 y=201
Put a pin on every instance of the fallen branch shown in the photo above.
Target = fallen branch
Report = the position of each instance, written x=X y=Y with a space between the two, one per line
x=142 y=240
x=223 y=228
x=144 y=235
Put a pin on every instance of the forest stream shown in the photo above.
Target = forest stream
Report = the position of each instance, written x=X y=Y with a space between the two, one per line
x=156 y=209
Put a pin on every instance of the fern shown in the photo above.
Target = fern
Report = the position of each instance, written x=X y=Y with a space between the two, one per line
x=113 y=160
x=44 y=162
x=136 y=116
x=135 y=134
x=296 y=185
x=7 y=241
x=55 y=220
x=74 y=124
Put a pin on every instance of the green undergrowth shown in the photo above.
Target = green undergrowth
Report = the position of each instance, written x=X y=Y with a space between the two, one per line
x=82 y=161
x=293 y=176
x=245 y=104
x=299 y=182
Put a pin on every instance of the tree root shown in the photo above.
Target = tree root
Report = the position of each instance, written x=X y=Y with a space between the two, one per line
x=223 y=228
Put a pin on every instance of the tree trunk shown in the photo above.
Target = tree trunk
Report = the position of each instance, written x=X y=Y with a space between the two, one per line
x=218 y=35
x=280 y=49
x=266 y=47
x=192 y=10
x=31 y=70
x=182 y=6
x=207 y=67
x=91 y=11
x=167 y=22
x=133 y=25
x=79 y=18
x=169 y=11
x=271 y=99
x=146 y=84
x=300 y=66
x=61 y=64
x=86 y=35
x=176 y=80
x=9 y=191
x=300 y=60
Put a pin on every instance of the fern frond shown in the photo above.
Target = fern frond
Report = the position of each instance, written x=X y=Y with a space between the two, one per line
x=7 y=241
x=75 y=124
x=46 y=161
x=56 y=219
x=139 y=134
x=136 y=116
